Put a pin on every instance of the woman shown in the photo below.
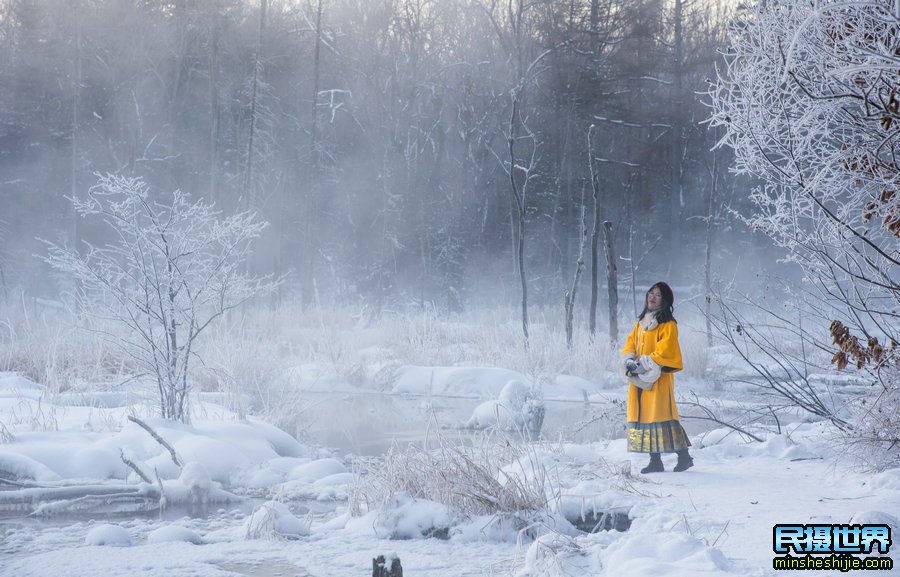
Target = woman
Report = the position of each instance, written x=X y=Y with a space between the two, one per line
x=650 y=357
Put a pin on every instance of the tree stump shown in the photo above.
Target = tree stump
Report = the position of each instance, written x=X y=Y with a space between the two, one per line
x=534 y=418
x=386 y=568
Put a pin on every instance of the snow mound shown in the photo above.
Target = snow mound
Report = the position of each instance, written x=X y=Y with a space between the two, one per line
x=17 y=466
x=195 y=477
x=514 y=394
x=876 y=518
x=12 y=385
x=572 y=387
x=333 y=480
x=470 y=381
x=315 y=470
x=514 y=409
x=263 y=478
x=405 y=517
x=727 y=443
x=283 y=465
x=222 y=459
x=580 y=453
x=174 y=533
x=556 y=555
x=495 y=414
x=887 y=480
x=651 y=555
x=107 y=534
x=95 y=462
x=273 y=520
x=70 y=460
x=281 y=442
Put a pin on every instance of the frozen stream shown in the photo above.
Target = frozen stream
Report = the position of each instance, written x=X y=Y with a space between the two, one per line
x=360 y=423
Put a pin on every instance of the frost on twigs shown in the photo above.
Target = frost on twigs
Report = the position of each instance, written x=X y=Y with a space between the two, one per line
x=170 y=270
x=810 y=103
x=875 y=435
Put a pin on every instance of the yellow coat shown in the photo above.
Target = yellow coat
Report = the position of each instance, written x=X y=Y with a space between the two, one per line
x=658 y=404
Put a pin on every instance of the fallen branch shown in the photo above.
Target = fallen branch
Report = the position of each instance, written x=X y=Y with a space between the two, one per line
x=134 y=467
x=144 y=502
x=157 y=438
x=72 y=494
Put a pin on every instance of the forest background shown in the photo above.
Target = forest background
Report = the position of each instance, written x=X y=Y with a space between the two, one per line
x=376 y=137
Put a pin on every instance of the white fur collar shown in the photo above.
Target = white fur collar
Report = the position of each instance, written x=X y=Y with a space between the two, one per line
x=649 y=322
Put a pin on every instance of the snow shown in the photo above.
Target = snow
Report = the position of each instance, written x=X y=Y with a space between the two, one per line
x=495 y=413
x=195 y=477
x=173 y=533
x=886 y=481
x=507 y=412
x=14 y=465
x=466 y=381
x=317 y=469
x=273 y=519
x=404 y=517
x=260 y=488
x=107 y=534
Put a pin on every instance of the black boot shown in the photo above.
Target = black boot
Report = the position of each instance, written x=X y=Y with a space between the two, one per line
x=655 y=466
x=685 y=461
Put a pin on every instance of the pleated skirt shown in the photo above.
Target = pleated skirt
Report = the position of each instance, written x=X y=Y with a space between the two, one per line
x=666 y=437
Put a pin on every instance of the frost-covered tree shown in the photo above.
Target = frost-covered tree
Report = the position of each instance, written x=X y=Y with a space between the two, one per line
x=172 y=269
x=809 y=102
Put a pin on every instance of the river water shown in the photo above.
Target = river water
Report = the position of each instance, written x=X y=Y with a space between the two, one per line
x=367 y=424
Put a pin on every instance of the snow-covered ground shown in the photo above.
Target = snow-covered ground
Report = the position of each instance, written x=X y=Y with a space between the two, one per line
x=249 y=499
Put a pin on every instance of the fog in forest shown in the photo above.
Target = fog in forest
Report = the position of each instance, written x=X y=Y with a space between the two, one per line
x=376 y=139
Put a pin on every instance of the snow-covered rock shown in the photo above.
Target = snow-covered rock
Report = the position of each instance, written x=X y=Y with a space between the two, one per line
x=274 y=520
x=515 y=409
x=405 y=517
x=514 y=394
x=495 y=414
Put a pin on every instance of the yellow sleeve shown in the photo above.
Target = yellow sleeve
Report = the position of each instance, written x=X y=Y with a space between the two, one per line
x=668 y=352
x=631 y=342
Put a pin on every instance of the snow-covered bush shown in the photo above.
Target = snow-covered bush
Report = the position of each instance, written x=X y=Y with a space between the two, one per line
x=493 y=338
x=875 y=433
x=470 y=481
x=810 y=103
x=171 y=271
x=254 y=373
x=38 y=340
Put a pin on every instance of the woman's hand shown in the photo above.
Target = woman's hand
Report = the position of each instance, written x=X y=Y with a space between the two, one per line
x=632 y=367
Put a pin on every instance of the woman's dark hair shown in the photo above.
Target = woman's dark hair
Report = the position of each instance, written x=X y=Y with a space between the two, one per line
x=668 y=300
